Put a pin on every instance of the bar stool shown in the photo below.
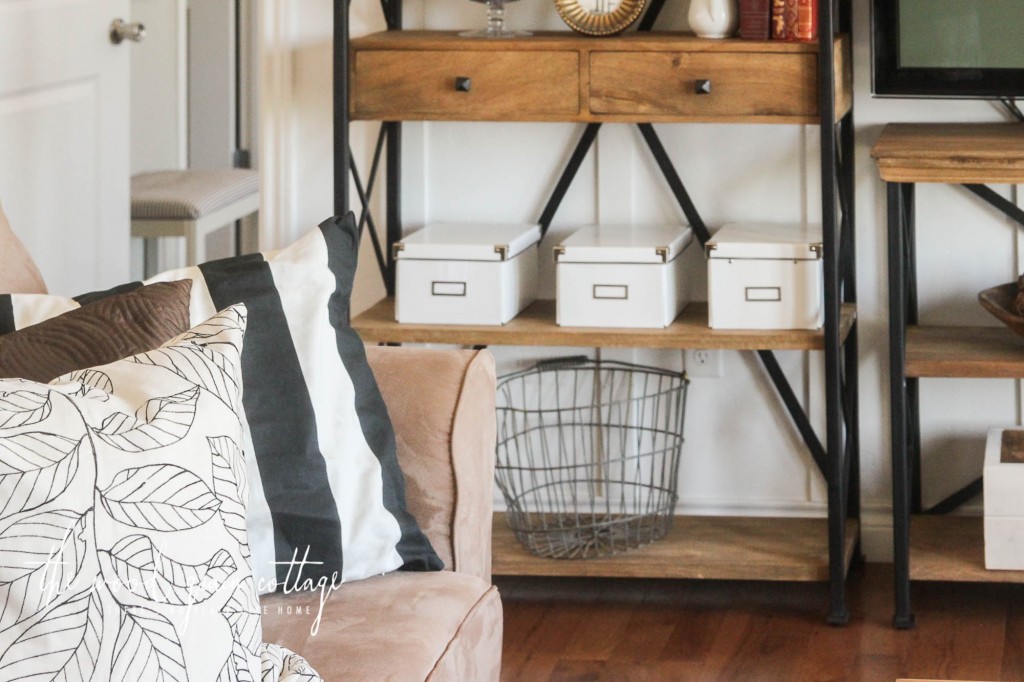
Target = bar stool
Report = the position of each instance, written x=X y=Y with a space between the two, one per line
x=192 y=204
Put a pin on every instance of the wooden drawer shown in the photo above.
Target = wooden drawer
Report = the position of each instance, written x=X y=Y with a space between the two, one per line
x=742 y=84
x=503 y=85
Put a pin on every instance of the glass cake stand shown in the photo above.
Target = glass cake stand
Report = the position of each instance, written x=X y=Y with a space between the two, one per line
x=495 y=23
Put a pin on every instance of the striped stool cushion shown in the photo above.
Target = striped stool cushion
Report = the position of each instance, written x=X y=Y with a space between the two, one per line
x=189 y=194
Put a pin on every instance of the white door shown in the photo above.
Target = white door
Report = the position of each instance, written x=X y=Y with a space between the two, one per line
x=64 y=138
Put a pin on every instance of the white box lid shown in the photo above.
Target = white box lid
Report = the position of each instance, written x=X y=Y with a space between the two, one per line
x=624 y=244
x=766 y=241
x=468 y=241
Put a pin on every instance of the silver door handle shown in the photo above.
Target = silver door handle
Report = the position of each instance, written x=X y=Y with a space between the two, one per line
x=121 y=30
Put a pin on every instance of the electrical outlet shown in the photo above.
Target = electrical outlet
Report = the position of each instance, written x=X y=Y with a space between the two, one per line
x=704 y=363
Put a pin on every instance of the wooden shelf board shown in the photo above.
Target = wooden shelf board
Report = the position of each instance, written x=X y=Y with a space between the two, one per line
x=952 y=548
x=536 y=326
x=969 y=352
x=697 y=547
x=951 y=152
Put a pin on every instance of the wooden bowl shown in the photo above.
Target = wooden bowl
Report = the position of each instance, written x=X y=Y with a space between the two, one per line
x=999 y=301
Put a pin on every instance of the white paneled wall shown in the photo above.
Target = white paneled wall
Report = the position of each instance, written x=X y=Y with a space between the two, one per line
x=741 y=454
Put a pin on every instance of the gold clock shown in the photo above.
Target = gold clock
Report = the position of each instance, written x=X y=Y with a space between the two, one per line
x=599 y=17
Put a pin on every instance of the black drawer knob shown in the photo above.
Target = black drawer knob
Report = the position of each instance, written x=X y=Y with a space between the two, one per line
x=463 y=83
x=702 y=86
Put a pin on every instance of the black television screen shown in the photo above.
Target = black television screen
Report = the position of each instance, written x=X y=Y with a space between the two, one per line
x=948 y=48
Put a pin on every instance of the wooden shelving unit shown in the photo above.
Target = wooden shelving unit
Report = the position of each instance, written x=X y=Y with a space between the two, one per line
x=536 y=326
x=698 y=547
x=642 y=77
x=937 y=547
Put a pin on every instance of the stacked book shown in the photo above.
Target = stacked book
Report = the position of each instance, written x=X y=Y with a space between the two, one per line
x=779 y=19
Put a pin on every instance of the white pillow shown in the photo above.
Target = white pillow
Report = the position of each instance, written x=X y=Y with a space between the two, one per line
x=122 y=546
x=324 y=478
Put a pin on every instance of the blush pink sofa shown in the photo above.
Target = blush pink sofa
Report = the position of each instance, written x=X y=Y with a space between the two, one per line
x=402 y=626
x=419 y=626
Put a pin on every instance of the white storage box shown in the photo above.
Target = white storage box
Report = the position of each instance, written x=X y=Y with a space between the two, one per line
x=621 y=276
x=1004 y=502
x=765 y=276
x=464 y=273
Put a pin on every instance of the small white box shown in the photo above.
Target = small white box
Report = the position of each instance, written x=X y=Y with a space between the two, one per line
x=463 y=273
x=765 y=276
x=1004 y=506
x=621 y=276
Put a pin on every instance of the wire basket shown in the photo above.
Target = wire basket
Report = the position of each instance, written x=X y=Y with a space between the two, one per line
x=588 y=455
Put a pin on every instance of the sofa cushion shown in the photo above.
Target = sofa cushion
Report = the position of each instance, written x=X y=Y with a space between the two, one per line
x=122 y=540
x=442 y=405
x=18 y=272
x=326 y=488
x=401 y=626
x=95 y=334
x=325 y=478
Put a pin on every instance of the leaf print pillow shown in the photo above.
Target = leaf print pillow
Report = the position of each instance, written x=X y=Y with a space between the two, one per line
x=123 y=552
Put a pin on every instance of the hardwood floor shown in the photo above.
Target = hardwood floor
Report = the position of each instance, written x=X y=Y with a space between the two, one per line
x=639 y=630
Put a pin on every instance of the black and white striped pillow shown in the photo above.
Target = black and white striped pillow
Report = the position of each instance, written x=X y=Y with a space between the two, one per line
x=325 y=485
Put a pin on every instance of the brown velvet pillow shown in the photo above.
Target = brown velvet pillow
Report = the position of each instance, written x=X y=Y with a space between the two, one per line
x=18 y=272
x=98 y=333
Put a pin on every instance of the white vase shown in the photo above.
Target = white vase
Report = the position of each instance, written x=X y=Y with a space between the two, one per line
x=713 y=18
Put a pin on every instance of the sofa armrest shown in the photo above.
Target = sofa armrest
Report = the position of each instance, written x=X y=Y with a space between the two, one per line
x=441 y=403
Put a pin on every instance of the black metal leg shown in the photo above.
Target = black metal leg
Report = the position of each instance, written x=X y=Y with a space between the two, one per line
x=836 y=479
x=393 y=200
x=913 y=417
x=836 y=476
x=903 y=617
x=848 y=256
x=340 y=108
x=852 y=390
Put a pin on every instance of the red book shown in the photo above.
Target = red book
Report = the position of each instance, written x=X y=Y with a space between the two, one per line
x=795 y=20
x=755 y=19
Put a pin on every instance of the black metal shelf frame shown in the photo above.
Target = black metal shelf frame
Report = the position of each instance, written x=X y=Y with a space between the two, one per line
x=904 y=392
x=838 y=457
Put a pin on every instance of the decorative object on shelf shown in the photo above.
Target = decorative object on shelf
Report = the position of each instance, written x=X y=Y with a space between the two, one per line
x=765 y=276
x=588 y=455
x=1005 y=303
x=755 y=19
x=466 y=273
x=621 y=276
x=1003 y=476
x=495 y=23
x=600 y=17
x=795 y=20
x=713 y=18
